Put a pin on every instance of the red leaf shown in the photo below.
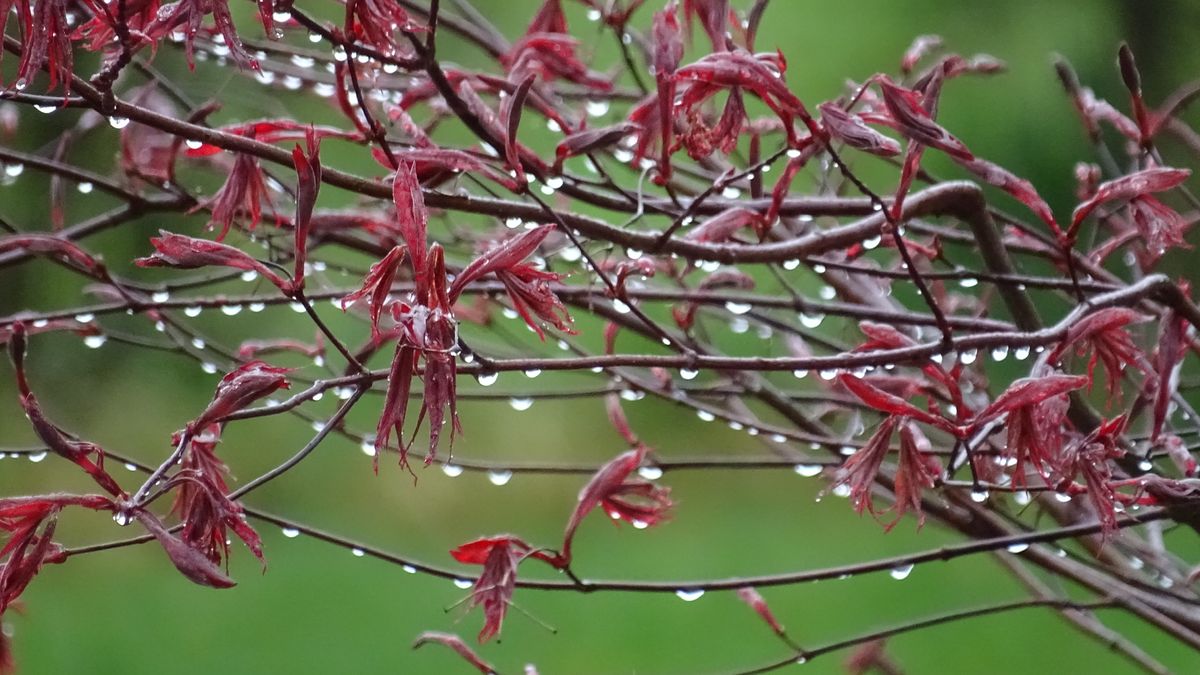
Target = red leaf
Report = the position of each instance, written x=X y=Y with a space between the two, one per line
x=177 y=250
x=308 y=185
x=503 y=256
x=411 y=216
x=891 y=404
x=190 y=562
x=377 y=284
x=1141 y=183
x=55 y=247
x=1026 y=392
x=610 y=488
x=455 y=643
x=751 y=597
x=904 y=105
x=240 y=388
x=851 y=130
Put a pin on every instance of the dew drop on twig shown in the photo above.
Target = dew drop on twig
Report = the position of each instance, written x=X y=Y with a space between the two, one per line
x=809 y=470
x=650 y=472
x=500 y=477
x=901 y=573
x=689 y=595
x=290 y=532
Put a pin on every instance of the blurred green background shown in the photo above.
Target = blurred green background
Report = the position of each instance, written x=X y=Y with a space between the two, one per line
x=320 y=609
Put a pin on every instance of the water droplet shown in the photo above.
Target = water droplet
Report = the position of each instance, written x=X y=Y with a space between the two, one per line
x=689 y=595
x=36 y=457
x=828 y=374
x=487 y=379
x=520 y=404
x=95 y=341
x=290 y=532
x=192 y=311
x=596 y=108
x=121 y=518
x=44 y=109
x=811 y=320
x=85 y=317
x=118 y=122
x=1021 y=353
x=231 y=310
x=463 y=584
x=593 y=15
x=738 y=307
x=452 y=470
x=968 y=357
x=979 y=495
x=533 y=372
x=199 y=343
x=968 y=282
x=1000 y=353
x=809 y=470
x=160 y=296
x=499 y=477
x=130 y=466
x=620 y=307
x=650 y=472
x=799 y=374
x=1062 y=497
x=705 y=415
x=688 y=373
x=208 y=367
x=1022 y=497
x=872 y=243
x=1020 y=547
x=901 y=573
x=842 y=490
x=1145 y=465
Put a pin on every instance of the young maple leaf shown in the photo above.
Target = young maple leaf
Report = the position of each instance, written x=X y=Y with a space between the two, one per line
x=80 y=453
x=853 y=131
x=528 y=287
x=1138 y=185
x=243 y=192
x=240 y=388
x=46 y=42
x=905 y=108
x=500 y=555
x=183 y=252
x=1103 y=333
x=308 y=185
x=1089 y=458
x=459 y=647
x=621 y=496
x=55 y=248
x=377 y=284
x=187 y=17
